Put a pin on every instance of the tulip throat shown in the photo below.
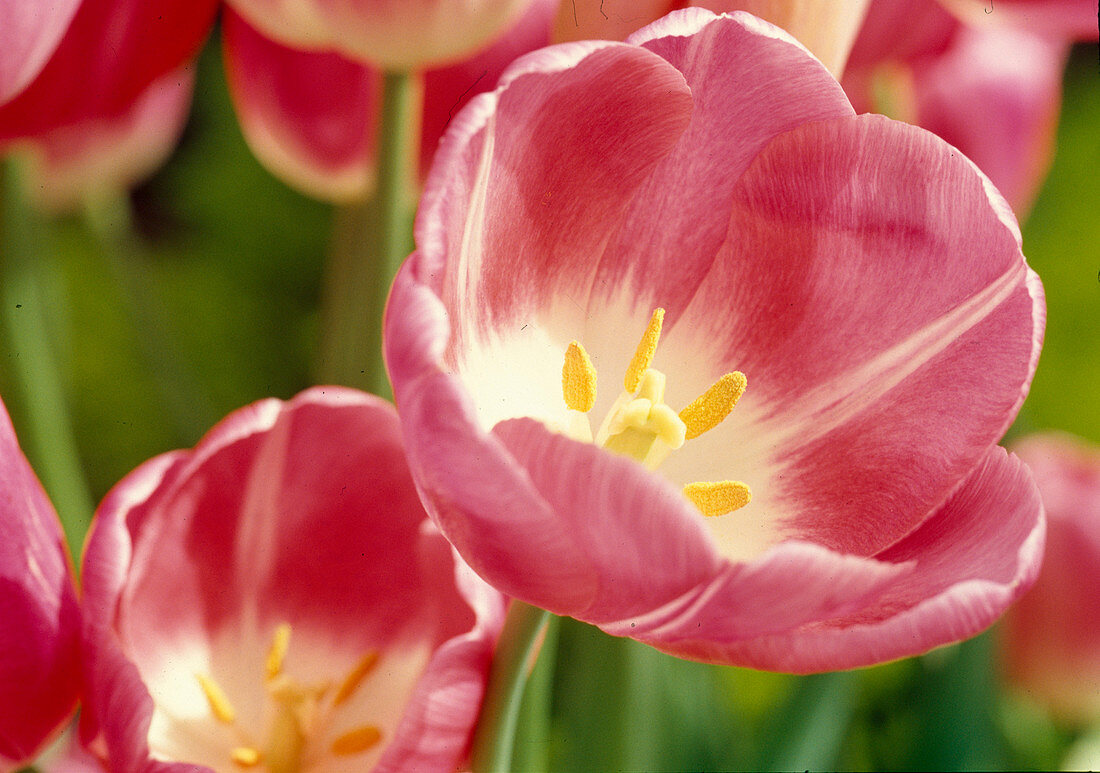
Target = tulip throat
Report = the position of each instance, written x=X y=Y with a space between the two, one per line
x=641 y=425
x=300 y=720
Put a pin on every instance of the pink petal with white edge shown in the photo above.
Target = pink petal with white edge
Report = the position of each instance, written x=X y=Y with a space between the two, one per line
x=71 y=164
x=970 y=560
x=873 y=290
x=995 y=95
x=39 y=665
x=308 y=116
x=30 y=33
x=221 y=529
x=113 y=50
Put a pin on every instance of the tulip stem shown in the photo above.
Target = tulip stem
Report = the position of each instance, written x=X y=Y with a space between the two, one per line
x=370 y=241
x=494 y=739
x=46 y=433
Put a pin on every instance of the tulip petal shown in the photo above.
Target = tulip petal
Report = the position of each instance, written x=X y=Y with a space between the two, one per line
x=969 y=561
x=318 y=139
x=995 y=95
x=39 y=666
x=29 y=36
x=871 y=287
x=115 y=49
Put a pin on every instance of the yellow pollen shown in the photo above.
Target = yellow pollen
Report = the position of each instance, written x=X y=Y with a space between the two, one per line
x=709 y=409
x=355 y=677
x=578 y=379
x=220 y=706
x=643 y=355
x=718 y=497
x=245 y=756
x=280 y=641
x=356 y=741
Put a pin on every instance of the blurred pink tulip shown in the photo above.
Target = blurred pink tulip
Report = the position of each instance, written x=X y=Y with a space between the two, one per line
x=390 y=34
x=39 y=632
x=863 y=275
x=310 y=116
x=28 y=36
x=276 y=597
x=1051 y=644
x=826 y=28
x=993 y=90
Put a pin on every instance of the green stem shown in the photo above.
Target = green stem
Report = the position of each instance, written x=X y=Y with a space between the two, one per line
x=47 y=434
x=532 y=752
x=370 y=240
x=496 y=728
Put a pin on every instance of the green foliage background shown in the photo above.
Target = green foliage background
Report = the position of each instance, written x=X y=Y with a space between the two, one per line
x=219 y=308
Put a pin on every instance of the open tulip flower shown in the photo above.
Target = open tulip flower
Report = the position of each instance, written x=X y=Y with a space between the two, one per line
x=1052 y=646
x=277 y=599
x=690 y=351
x=39 y=614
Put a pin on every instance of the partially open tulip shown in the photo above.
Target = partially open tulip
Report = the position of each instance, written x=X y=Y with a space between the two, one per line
x=391 y=34
x=1051 y=642
x=39 y=615
x=310 y=116
x=276 y=599
x=993 y=90
x=825 y=324
x=826 y=28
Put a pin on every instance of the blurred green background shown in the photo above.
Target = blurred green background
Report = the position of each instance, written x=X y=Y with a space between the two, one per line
x=219 y=308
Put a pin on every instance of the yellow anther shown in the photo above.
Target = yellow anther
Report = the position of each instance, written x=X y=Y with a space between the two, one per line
x=355 y=677
x=578 y=379
x=280 y=641
x=718 y=497
x=710 y=408
x=245 y=756
x=356 y=741
x=220 y=706
x=643 y=355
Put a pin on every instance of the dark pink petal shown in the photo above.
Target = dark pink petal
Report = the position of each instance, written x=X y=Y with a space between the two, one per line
x=995 y=95
x=531 y=224
x=1049 y=650
x=749 y=82
x=901 y=31
x=967 y=564
x=308 y=116
x=300 y=512
x=110 y=54
x=31 y=31
x=873 y=291
x=73 y=162
x=39 y=666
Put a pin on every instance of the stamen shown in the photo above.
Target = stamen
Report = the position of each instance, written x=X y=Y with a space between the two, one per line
x=710 y=408
x=578 y=379
x=220 y=706
x=643 y=355
x=245 y=756
x=356 y=741
x=355 y=677
x=718 y=497
x=280 y=641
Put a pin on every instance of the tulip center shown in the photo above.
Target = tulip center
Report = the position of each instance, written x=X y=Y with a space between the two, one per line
x=641 y=425
x=299 y=729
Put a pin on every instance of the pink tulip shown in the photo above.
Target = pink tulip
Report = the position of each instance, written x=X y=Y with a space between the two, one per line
x=861 y=274
x=28 y=36
x=39 y=614
x=1052 y=646
x=276 y=598
x=310 y=116
x=993 y=90
x=392 y=34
